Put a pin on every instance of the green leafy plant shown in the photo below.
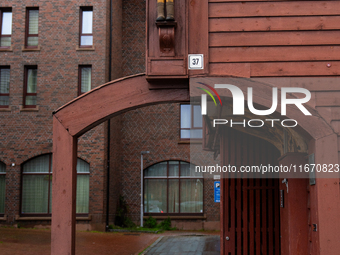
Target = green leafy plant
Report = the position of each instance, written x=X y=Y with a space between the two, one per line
x=150 y=222
x=166 y=224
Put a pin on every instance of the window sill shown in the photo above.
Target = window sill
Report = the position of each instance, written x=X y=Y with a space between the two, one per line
x=6 y=49
x=31 y=49
x=23 y=218
x=178 y=217
x=6 y=109
x=188 y=141
x=23 y=109
x=4 y=217
x=85 y=49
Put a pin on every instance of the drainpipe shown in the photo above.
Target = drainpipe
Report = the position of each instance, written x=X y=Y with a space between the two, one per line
x=108 y=129
x=141 y=186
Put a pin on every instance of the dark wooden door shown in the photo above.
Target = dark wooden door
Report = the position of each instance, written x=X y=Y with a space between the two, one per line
x=250 y=209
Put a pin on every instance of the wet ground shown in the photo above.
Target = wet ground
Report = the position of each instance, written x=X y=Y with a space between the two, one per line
x=15 y=241
x=189 y=245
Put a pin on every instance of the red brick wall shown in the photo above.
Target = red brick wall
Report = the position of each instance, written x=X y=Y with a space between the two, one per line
x=24 y=135
x=156 y=129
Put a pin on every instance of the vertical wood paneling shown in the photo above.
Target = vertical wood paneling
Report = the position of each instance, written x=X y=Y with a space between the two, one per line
x=251 y=206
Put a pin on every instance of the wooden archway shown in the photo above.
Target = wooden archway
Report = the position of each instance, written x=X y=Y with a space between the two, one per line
x=116 y=97
x=73 y=120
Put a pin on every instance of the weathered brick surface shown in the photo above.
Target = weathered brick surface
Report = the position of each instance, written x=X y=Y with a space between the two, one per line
x=24 y=135
x=156 y=129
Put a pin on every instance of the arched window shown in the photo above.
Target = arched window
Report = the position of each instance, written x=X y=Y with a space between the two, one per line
x=37 y=186
x=2 y=188
x=173 y=187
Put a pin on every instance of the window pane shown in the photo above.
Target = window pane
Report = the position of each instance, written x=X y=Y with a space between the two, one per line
x=173 y=168
x=2 y=193
x=185 y=134
x=82 y=166
x=33 y=22
x=157 y=170
x=83 y=195
x=35 y=193
x=5 y=42
x=32 y=80
x=155 y=195
x=6 y=23
x=197 y=116
x=188 y=170
x=4 y=100
x=87 y=22
x=196 y=133
x=191 y=196
x=31 y=100
x=2 y=168
x=173 y=196
x=4 y=86
x=86 y=40
x=32 y=41
x=37 y=165
x=85 y=79
x=185 y=116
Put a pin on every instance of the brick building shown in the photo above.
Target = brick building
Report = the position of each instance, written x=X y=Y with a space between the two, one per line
x=51 y=52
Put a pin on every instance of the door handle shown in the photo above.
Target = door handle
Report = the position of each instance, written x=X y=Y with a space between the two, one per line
x=227 y=238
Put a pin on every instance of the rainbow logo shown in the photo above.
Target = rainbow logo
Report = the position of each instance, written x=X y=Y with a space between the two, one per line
x=209 y=93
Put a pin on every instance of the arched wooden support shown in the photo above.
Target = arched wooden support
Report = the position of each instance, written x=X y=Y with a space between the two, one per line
x=74 y=119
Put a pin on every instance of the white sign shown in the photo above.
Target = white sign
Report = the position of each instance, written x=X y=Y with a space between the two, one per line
x=195 y=61
x=217 y=177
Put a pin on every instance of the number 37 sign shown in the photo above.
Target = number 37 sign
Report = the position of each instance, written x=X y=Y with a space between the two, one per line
x=195 y=61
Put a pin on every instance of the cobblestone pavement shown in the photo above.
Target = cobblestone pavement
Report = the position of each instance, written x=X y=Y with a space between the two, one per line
x=188 y=245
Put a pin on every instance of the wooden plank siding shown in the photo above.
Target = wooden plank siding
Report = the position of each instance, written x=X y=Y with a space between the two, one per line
x=274 y=38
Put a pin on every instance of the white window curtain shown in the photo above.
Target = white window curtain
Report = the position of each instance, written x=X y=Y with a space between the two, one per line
x=173 y=187
x=83 y=186
x=35 y=185
x=2 y=187
x=85 y=79
x=33 y=27
x=31 y=86
x=4 y=85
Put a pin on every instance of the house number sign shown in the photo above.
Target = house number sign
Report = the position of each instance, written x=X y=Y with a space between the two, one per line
x=195 y=61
